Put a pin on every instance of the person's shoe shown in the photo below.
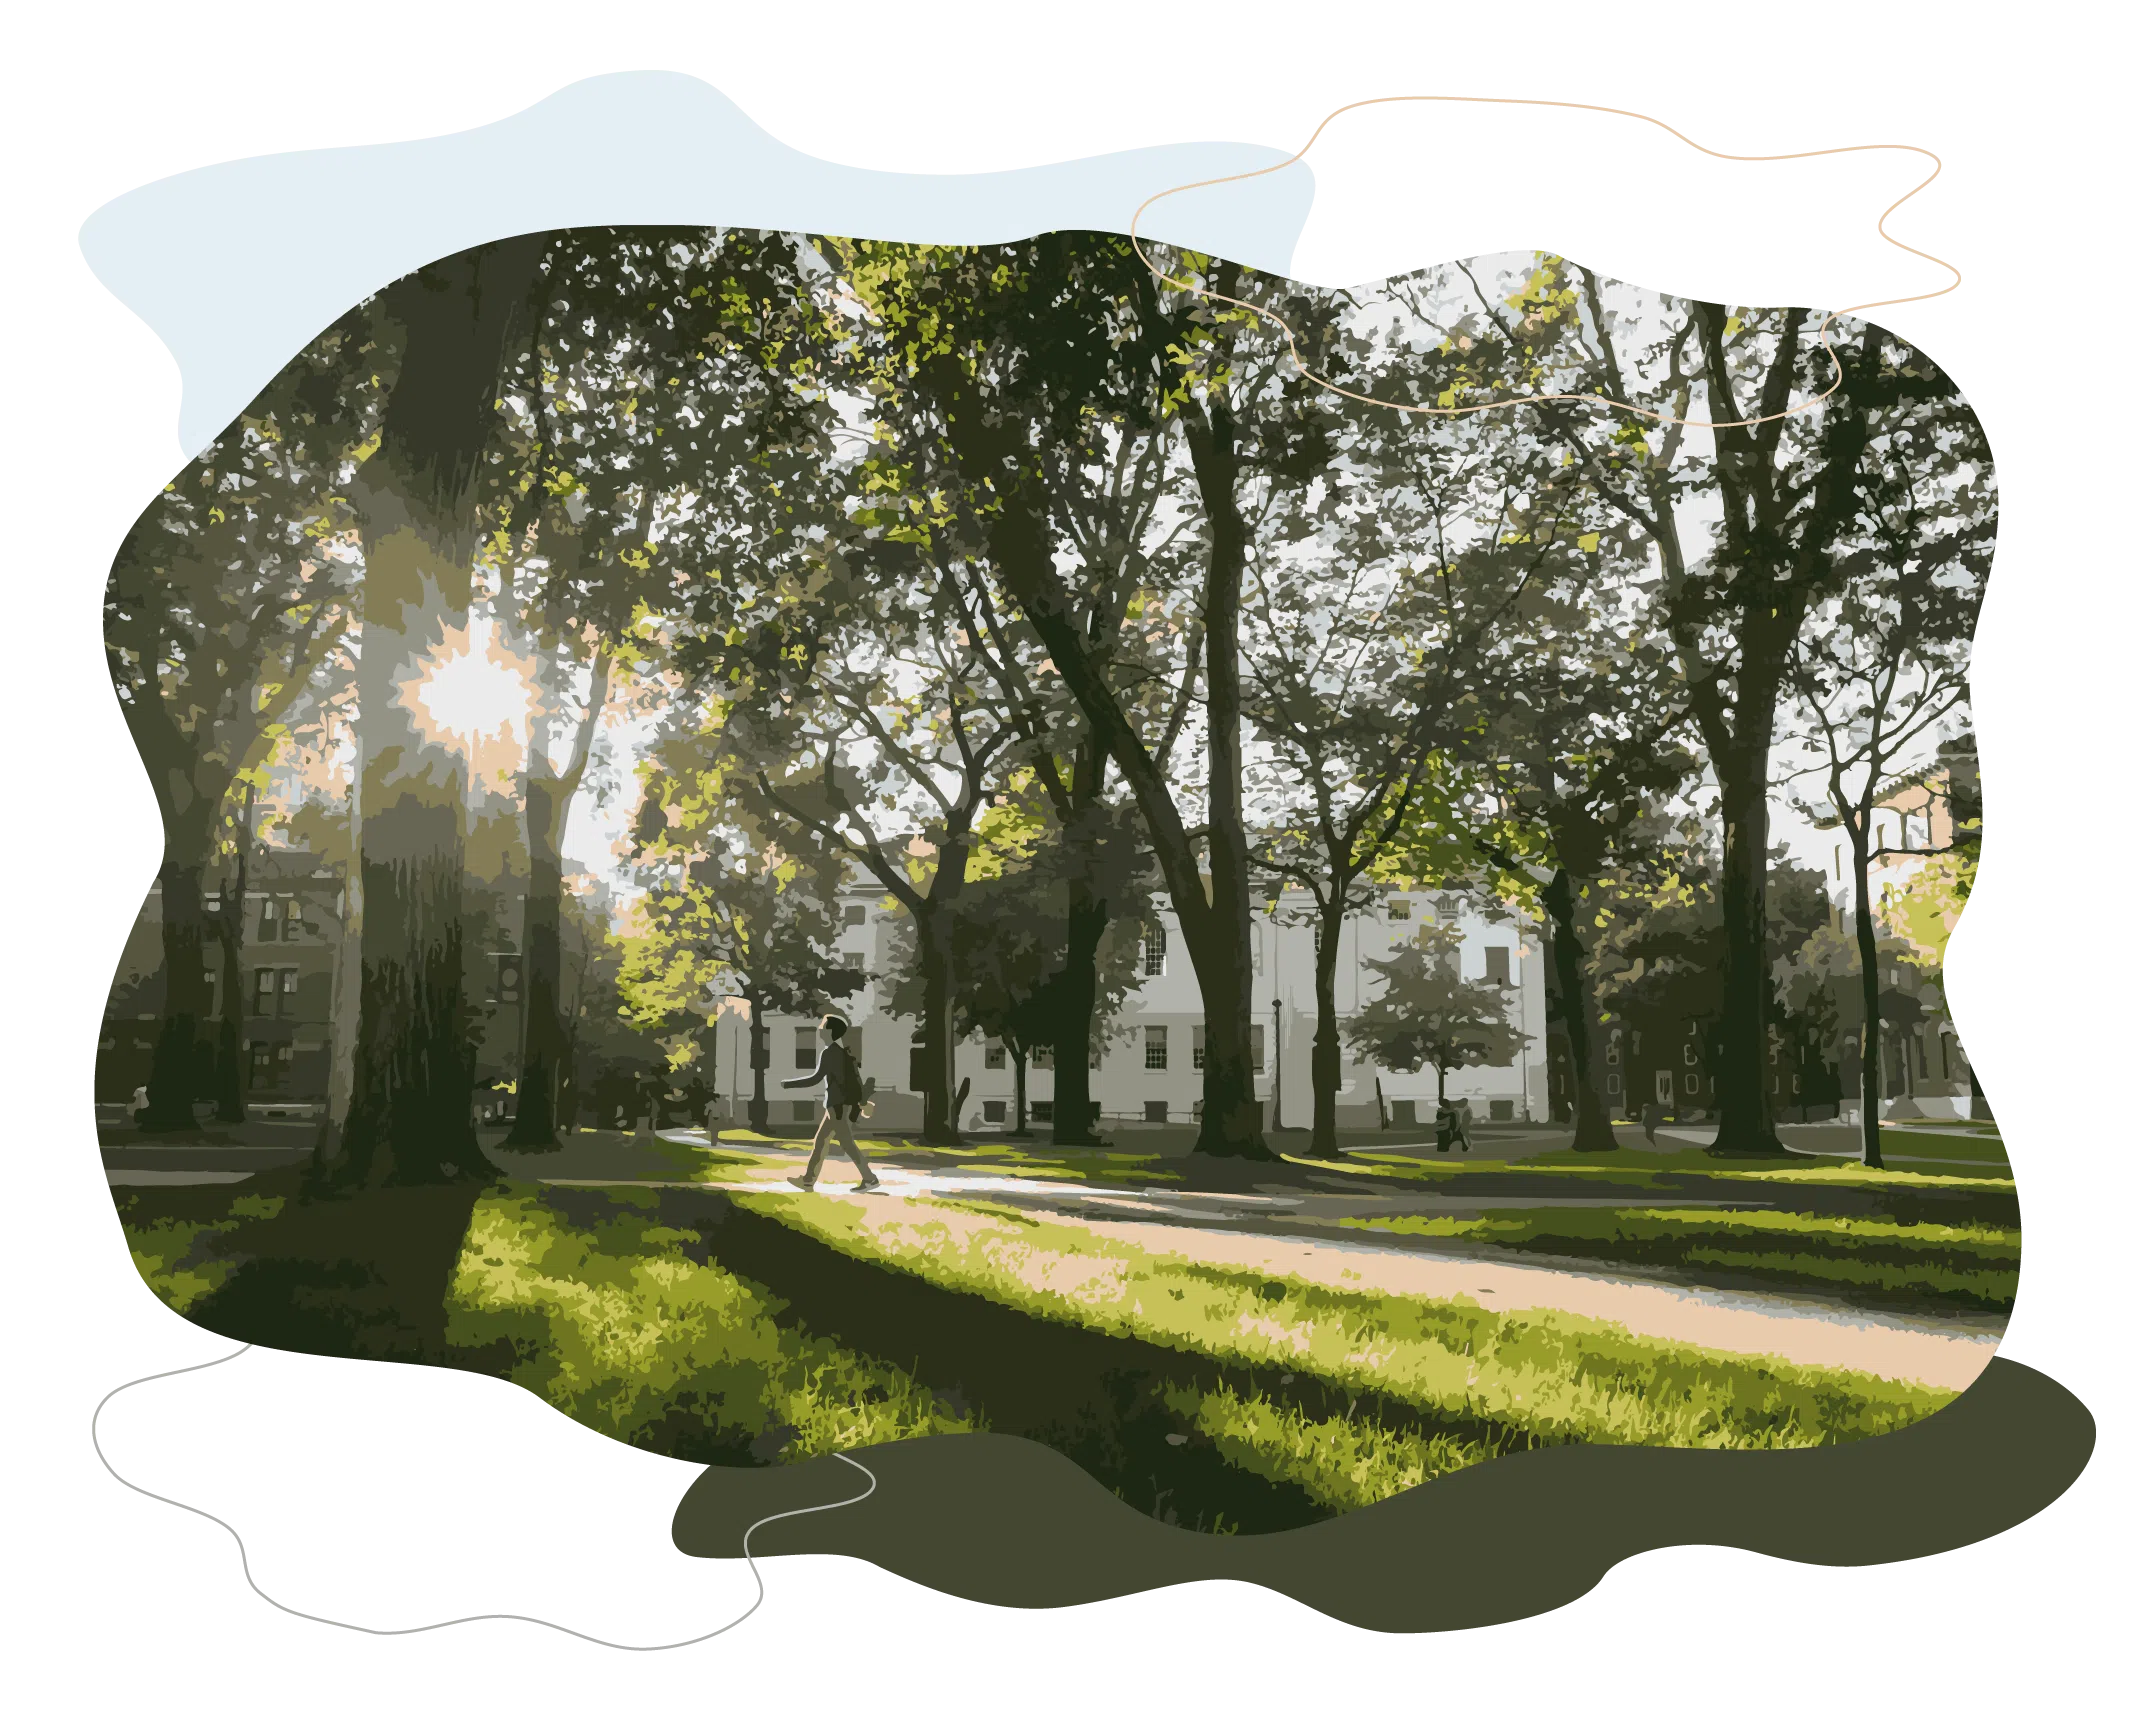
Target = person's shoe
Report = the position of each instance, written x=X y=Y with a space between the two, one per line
x=800 y=1182
x=871 y=1182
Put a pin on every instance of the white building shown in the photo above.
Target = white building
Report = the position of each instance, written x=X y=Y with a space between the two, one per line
x=1149 y=1072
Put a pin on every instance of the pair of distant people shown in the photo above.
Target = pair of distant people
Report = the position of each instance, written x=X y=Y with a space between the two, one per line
x=843 y=1093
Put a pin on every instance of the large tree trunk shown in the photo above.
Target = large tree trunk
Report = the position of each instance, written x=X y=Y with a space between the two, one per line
x=758 y=1064
x=417 y=503
x=1594 y=1129
x=176 y=1074
x=1742 y=1075
x=1222 y=949
x=937 y=961
x=231 y=1022
x=1075 y=992
x=1328 y=1044
x=1863 y=929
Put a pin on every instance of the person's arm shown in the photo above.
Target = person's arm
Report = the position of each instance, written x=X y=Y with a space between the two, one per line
x=820 y=1073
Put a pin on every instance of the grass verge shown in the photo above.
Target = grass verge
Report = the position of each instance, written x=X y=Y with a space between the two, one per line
x=1532 y=1377
x=609 y=1315
x=1965 y=1265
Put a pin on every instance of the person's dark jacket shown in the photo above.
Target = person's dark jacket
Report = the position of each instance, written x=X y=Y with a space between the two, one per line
x=837 y=1074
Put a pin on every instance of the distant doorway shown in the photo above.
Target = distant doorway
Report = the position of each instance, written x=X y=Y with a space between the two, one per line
x=1665 y=1086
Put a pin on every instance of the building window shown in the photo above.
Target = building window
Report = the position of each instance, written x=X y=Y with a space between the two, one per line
x=268 y=919
x=259 y=1063
x=293 y=923
x=1687 y=1055
x=1041 y=1057
x=1919 y=1046
x=1153 y=950
x=996 y=1058
x=1613 y=1049
x=1154 y=1048
x=1613 y=1084
x=1691 y=1084
x=802 y=1110
x=995 y=1110
x=804 y=1052
x=1041 y=1110
x=1446 y=907
x=855 y=913
x=1497 y=963
x=1153 y=1110
x=264 y=990
x=1501 y=1110
x=1255 y=1045
x=1400 y=907
x=1199 y=1050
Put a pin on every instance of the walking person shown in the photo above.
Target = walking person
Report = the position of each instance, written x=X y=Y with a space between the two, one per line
x=842 y=1094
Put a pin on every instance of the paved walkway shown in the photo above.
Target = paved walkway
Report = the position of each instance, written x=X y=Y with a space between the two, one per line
x=1255 y=1231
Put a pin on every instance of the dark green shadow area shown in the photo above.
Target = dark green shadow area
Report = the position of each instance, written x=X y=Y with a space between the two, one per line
x=992 y=1517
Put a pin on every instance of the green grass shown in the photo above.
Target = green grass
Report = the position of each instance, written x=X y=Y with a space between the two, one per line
x=1528 y=1378
x=1969 y=1265
x=612 y=1321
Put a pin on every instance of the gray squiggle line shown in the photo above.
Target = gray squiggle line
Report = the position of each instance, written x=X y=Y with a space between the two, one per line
x=760 y=1592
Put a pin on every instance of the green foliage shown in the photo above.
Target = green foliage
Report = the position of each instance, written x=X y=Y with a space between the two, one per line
x=1428 y=1013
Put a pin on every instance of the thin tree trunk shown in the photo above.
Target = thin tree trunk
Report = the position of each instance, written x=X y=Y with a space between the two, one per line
x=1328 y=1057
x=1594 y=1129
x=538 y=1079
x=1023 y=1091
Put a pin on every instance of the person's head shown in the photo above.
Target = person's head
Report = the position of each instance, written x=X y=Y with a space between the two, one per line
x=835 y=1026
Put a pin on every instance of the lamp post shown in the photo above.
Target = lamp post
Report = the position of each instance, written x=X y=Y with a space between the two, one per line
x=1523 y=1025
x=1277 y=1062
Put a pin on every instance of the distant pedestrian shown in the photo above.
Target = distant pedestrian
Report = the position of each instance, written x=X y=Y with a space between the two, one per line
x=843 y=1091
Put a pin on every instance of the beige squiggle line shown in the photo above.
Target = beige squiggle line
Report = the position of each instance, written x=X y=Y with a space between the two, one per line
x=1823 y=333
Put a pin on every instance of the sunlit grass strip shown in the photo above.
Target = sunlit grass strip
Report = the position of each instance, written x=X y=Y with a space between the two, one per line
x=1542 y=1376
x=1341 y=1462
x=1974 y=1264
x=615 y=1325
x=170 y=1253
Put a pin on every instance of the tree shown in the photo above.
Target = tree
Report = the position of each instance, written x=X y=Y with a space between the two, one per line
x=1012 y=967
x=227 y=594
x=1390 y=608
x=1429 y=1013
x=1880 y=667
x=1787 y=481
x=734 y=923
x=1011 y=352
x=652 y=422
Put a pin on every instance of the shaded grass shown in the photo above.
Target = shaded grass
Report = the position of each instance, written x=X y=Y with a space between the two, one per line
x=1537 y=1376
x=173 y=1251
x=1969 y=1265
x=611 y=1316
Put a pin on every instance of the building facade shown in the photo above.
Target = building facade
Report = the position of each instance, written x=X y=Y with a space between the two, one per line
x=1149 y=1070
x=290 y=941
